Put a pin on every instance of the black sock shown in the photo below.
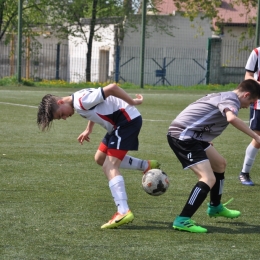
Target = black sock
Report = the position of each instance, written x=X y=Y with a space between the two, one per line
x=197 y=196
x=216 y=191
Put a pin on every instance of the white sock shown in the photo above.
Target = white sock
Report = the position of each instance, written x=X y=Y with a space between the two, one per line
x=117 y=187
x=130 y=162
x=250 y=156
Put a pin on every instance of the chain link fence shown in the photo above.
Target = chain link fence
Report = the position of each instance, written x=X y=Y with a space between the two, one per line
x=163 y=66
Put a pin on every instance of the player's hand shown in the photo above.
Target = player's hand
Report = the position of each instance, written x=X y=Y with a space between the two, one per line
x=84 y=136
x=139 y=99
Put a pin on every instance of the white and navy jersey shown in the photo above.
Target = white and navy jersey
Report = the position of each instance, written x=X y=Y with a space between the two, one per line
x=205 y=119
x=253 y=65
x=109 y=112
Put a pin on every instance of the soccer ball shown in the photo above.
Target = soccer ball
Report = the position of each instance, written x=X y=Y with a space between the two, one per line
x=155 y=182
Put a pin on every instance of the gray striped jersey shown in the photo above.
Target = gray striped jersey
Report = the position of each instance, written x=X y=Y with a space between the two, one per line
x=205 y=119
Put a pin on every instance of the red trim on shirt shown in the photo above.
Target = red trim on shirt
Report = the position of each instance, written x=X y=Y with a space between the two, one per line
x=125 y=114
x=111 y=121
x=107 y=119
x=80 y=103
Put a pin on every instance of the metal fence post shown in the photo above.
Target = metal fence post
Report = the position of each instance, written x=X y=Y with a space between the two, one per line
x=142 y=54
x=117 y=63
x=257 y=25
x=58 y=62
x=208 y=61
x=19 y=42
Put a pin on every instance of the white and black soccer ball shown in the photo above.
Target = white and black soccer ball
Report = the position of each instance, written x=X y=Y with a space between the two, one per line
x=155 y=182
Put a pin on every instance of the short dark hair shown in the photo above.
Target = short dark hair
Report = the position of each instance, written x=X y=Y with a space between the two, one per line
x=251 y=86
x=46 y=108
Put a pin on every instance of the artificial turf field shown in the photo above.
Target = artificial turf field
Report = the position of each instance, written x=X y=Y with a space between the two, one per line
x=54 y=198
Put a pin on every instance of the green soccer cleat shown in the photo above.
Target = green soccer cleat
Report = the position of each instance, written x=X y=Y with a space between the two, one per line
x=187 y=224
x=152 y=164
x=222 y=211
x=118 y=220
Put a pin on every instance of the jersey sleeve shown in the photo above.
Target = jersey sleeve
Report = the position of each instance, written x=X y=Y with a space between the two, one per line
x=230 y=101
x=90 y=98
x=252 y=61
x=232 y=106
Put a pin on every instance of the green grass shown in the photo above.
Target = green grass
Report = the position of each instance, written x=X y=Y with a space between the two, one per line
x=54 y=198
x=11 y=83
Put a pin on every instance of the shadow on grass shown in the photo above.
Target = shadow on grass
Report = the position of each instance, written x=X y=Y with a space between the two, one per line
x=236 y=227
x=155 y=225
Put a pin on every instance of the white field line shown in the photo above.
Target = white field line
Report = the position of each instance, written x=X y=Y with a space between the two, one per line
x=20 y=105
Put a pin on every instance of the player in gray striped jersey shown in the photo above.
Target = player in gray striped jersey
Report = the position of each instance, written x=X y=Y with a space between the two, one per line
x=190 y=135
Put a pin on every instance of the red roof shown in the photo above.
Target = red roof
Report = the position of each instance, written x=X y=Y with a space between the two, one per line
x=236 y=14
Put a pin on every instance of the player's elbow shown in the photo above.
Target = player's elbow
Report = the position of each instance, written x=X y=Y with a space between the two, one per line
x=231 y=118
x=111 y=89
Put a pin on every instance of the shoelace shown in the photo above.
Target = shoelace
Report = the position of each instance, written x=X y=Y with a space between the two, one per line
x=189 y=222
x=228 y=202
x=114 y=216
x=245 y=177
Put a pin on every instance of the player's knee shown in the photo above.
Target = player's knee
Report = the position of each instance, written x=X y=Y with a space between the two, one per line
x=222 y=165
x=99 y=160
x=107 y=168
x=104 y=168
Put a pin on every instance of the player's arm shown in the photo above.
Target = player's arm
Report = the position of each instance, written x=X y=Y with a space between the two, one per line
x=85 y=135
x=240 y=125
x=250 y=75
x=116 y=91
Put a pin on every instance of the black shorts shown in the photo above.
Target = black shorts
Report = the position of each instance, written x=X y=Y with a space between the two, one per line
x=124 y=137
x=189 y=152
x=254 y=122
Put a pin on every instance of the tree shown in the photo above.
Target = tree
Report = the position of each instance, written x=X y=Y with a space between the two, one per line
x=209 y=9
x=34 y=14
x=68 y=20
x=64 y=17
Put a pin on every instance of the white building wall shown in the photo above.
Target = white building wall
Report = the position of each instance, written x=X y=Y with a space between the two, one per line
x=185 y=51
x=78 y=51
x=234 y=50
x=185 y=33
